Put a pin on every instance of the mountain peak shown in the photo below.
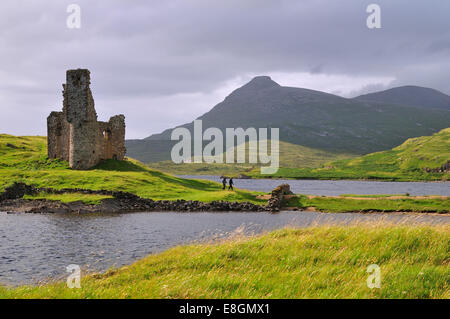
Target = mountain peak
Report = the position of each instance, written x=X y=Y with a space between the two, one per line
x=261 y=82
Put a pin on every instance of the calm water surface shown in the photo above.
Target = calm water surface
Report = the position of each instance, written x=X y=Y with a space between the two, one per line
x=37 y=247
x=333 y=188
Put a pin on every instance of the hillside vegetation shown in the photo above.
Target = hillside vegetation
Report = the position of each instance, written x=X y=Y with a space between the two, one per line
x=24 y=159
x=416 y=159
x=316 y=262
x=291 y=155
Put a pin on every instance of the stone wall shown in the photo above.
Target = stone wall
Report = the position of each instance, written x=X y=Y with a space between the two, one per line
x=11 y=201
x=276 y=199
x=75 y=135
x=443 y=169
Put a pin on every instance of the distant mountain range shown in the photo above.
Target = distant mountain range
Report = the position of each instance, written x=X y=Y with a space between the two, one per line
x=410 y=96
x=361 y=125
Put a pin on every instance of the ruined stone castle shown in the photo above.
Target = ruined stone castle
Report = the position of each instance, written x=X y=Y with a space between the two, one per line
x=75 y=135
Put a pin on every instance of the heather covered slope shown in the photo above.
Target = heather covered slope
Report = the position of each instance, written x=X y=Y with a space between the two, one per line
x=311 y=119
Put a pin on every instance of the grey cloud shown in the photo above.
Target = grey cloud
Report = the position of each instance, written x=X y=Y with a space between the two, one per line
x=141 y=51
x=369 y=89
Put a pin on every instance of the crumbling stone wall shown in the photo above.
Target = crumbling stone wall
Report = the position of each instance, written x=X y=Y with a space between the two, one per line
x=443 y=169
x=276 y=199
x=11 y=200
x=75 y=135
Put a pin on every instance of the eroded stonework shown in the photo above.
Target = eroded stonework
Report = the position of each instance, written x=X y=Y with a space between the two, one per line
x=75 y=135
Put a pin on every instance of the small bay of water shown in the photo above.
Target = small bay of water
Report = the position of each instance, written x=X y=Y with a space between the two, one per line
x=35 y=247
x=334 y=188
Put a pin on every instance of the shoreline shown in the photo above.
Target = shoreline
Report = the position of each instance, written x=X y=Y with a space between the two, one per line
x=324 y=179
x=114 y=206
x=56 y=207
x=12 y=201
x=123 y=206
x=280 y=199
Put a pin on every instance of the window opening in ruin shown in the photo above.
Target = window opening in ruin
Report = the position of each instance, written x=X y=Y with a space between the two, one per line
x=107 y=135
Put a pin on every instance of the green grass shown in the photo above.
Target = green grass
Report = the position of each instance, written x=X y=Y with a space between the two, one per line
x=26 y=153
x=316 y=262
x=27 y=162
x=342 y=205
x=407 y=162
x=218 y=169
x=371 y=196
x=70 y=197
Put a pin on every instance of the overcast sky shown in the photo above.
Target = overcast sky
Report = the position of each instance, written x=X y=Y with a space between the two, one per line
x=164 y=63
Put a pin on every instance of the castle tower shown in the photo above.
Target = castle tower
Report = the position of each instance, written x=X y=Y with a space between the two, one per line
x=75 y=135
x=80 y=113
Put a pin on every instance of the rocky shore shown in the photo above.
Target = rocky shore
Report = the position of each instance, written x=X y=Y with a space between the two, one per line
x=12 y=201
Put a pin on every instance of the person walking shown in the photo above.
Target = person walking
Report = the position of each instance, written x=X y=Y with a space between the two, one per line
x=224 y=182
x=230 y=183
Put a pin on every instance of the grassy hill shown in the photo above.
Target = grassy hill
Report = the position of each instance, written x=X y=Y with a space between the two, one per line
x=415 y=159
x=316 y=262
x=291 y=155
x=24 y=159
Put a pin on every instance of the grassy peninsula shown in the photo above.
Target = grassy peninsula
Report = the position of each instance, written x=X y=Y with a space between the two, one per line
x=24 y=159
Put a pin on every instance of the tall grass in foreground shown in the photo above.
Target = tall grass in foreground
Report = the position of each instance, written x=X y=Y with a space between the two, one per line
x=314 y=262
